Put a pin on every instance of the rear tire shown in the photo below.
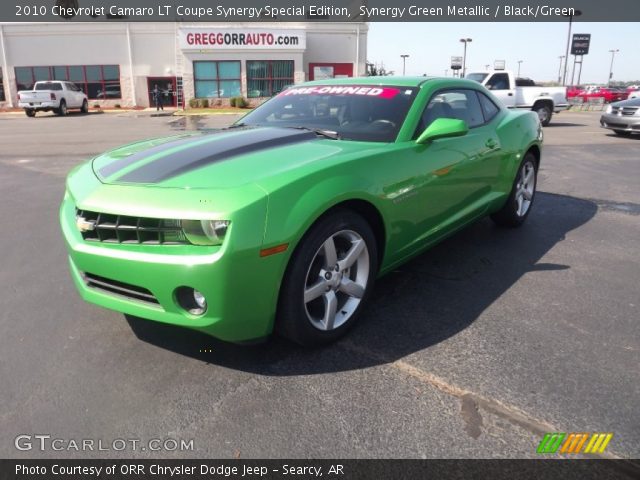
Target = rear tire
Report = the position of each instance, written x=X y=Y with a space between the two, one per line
x=30 y=112
x=85 y=106
x=516 y=210
x=62 y=109
x=328 y=281
x=544 y=113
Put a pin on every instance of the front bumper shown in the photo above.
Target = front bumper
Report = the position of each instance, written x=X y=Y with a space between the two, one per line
x=241 y=288
x=624 y=123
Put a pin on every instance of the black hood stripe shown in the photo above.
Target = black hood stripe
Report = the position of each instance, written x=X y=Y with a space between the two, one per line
x=248 y=141
x=122 y=163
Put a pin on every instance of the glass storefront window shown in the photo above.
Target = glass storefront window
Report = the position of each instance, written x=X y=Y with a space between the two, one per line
x=97 y=81
x=268 y=77
x=217 y=79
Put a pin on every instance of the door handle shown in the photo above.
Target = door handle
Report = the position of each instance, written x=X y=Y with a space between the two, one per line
x=491 y=143
x=510 y=94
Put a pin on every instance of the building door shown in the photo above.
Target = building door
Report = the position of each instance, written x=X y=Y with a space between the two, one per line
x=167 y=85
x=322 y=71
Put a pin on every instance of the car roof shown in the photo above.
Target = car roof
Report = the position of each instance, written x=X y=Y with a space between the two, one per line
x=389 y=81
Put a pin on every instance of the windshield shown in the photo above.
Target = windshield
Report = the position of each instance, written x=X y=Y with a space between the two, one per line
x=477 y=77
x=354 y=112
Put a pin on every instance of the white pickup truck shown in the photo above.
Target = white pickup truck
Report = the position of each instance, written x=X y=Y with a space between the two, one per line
x=52 y=95
x=523 y=93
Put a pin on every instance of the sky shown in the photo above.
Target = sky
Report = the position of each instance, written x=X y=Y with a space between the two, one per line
x=430 y=46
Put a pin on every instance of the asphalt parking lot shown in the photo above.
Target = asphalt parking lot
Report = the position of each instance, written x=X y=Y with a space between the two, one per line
x=474 y=349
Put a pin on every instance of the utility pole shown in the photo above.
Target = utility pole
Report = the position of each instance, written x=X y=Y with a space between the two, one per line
x=404 y=63
x=613 y=54
x=464 y=56
x=560 y=69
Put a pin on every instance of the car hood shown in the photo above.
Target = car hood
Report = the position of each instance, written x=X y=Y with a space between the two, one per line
x=634 y=102
x=221 y=159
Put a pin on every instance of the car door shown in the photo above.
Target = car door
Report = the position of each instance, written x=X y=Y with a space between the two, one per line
x=500 y=86
x=452 y=178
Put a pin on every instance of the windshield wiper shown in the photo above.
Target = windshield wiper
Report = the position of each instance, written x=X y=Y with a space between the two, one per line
x=237 y=125
x=319 y=131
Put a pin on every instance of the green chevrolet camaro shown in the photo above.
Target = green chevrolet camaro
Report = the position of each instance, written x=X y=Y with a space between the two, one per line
x=284 y=220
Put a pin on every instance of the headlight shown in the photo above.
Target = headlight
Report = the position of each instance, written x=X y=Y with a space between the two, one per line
x=609 y=108
x=205 y=232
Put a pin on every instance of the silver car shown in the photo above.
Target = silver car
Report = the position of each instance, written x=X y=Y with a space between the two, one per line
x=622 y=117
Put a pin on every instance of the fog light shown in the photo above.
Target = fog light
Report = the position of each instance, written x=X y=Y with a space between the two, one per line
x=191 y=300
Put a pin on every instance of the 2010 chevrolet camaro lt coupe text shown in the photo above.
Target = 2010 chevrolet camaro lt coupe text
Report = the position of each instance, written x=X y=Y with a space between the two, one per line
x=284 y=220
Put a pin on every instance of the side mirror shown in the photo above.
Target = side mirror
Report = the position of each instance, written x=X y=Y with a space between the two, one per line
x=443 y=128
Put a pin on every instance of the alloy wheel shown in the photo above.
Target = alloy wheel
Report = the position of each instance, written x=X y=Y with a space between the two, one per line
x=336 y=280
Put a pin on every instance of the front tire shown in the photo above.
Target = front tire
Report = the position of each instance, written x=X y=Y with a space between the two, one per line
x=516 y=210
x=328 y=281
x=85 y=107
x=622 y=133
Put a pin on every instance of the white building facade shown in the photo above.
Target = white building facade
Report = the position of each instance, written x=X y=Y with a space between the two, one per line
x=122 y=63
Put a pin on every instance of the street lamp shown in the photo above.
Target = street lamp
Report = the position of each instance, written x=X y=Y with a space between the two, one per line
x=613 y=54
x=486 y=67
x=575 y=13
x=560 y=69
x=404 y=63
x=464 y=57
x=519 y=62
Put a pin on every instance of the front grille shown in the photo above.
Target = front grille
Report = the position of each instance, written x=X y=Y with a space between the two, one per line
x=122 y=289
x=104 y=227
x=626 y=111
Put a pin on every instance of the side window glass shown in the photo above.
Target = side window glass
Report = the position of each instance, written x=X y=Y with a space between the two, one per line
x=489 y=108
x=499 y=81
x=458 y=104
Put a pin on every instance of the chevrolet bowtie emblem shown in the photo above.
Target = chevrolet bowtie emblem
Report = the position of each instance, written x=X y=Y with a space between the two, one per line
x=85 y=225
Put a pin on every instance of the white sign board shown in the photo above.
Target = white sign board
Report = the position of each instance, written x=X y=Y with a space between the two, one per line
x=499 y=65
x=241 y=39
x=456 y=63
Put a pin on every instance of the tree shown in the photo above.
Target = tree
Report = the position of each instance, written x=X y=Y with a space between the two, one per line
x=378 y=70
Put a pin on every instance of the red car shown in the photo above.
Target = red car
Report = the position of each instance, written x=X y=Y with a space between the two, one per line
x=609 y=94
x=574 y=91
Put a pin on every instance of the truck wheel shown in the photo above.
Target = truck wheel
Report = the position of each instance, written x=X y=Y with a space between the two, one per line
x=30 y=112
x=329 y=280
x=62 y=110
x=544 y=113
x=518 y=205
x=85 y=106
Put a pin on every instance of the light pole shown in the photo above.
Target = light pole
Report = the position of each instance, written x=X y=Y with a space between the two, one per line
x=464 y=56
x=519 y=62
x=404 y=63
x=486 y=67
x=576 y=13
x=613 y=54
x=560 y=69
x=446 y=71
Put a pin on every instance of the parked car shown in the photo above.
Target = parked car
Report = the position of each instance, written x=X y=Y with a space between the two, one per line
x=574 y=91
x=609 y=94
x=633 y=93
x=622 y=117
x=53 y=95
x=284 y=220
x=523 y=93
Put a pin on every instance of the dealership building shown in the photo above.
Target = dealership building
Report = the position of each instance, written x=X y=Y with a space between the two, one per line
x=121 y=63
